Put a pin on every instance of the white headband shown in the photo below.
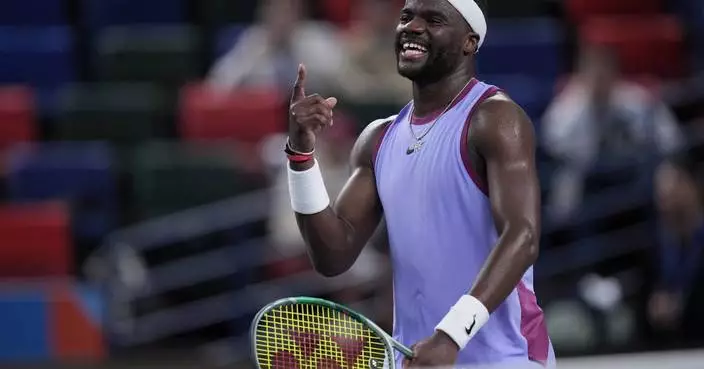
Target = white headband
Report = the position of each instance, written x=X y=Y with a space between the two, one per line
x=473 y=14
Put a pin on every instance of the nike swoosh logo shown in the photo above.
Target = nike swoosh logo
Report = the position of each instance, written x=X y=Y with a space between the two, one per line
x=474 y=322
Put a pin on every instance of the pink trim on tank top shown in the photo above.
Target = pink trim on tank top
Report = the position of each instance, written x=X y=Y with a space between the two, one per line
x=533 y=326
x=464 y=149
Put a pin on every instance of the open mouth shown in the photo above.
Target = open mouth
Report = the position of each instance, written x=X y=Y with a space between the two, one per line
x=413 y=50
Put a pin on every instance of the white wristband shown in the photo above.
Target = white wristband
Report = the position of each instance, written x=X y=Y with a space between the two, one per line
x=307 y=190
x=464 y=320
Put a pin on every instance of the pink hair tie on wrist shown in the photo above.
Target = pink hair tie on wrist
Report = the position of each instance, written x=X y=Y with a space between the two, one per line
x=297 y=156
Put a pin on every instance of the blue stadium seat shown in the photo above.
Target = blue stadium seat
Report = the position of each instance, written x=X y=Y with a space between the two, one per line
x=691 y=12
x=38 y=56
x=82 y=174
x=533 y=94
x=103 y=13
x=226 y=38
x=531 y=46
x=33 y=12
x=24 y=312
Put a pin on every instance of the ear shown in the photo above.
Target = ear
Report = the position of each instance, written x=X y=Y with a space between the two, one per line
x=470 y=44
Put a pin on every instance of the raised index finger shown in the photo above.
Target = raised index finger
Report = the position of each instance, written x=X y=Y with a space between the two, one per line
x=299 y=87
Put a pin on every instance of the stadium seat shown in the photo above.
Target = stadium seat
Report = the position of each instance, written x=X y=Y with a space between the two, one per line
x=533 y=94
x=226 y=39
x=341 y=13
x=517 y=9
x=24 y=310
x=39 y=56
x=215 y=14
x=169 y=177
x=104 y=13
x=338 y=12
x=165 y=55
x=17 y=115
x=645 y=45
x=82 y=175
x=33 y=12
x=123 y=114
x=242 y=115
x=582 y=10
x=54 y=320
x=691 y=13
x=537 y=42
x=35 y=240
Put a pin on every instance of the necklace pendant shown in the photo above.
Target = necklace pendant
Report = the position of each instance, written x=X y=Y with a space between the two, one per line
x=414 y=147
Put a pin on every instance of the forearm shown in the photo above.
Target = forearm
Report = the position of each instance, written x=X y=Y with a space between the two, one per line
x=502 y=271
x=515 y=251
x=334 y=235
x=330 y=241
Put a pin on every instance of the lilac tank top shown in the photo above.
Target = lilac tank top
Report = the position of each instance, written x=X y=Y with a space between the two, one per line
x=441 y=231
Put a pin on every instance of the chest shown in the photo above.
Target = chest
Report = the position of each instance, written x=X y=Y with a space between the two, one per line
x=433 y=169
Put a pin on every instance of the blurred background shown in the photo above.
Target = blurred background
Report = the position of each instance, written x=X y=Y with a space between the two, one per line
x=145 y=216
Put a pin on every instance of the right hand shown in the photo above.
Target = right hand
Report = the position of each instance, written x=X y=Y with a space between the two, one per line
x=307 y=115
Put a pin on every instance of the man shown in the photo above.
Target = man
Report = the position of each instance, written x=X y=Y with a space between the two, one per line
x=601 y=117
x=674 y=308
x=266 y=53
x=458 y=190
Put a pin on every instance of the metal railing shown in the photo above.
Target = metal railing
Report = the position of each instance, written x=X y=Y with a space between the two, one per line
x=121 y=267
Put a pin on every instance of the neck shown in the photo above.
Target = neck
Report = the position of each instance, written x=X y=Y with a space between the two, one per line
x=434 y=95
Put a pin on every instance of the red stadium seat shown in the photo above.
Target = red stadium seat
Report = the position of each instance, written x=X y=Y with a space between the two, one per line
x=646 y=45
x=246 y=115
x=17 y=115
x=338 y=12
x=35 y=240
x=342 y=12
x=582 y=10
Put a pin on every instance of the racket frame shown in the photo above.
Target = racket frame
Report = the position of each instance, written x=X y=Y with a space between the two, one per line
x=389 y=341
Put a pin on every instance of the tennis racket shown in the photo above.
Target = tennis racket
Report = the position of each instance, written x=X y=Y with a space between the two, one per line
x=312 y=333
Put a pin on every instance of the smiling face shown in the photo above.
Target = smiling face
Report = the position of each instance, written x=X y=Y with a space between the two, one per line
x=432 y=40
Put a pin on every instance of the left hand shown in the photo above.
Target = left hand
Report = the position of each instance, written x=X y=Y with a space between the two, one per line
x=436 y=350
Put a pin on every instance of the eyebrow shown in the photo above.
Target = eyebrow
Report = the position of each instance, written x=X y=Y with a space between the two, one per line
x=426 y=13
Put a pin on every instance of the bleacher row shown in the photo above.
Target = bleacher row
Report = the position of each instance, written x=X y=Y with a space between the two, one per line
x=104 y=120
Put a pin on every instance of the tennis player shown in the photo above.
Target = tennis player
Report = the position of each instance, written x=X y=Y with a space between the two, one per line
x=454 y=176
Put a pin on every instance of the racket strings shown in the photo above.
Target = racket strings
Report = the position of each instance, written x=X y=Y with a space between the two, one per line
x=306 y=336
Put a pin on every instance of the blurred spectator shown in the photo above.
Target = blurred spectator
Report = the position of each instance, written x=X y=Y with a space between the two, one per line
x=598 y=116
x=267 y=54
x=370 y=43
x=676 y=305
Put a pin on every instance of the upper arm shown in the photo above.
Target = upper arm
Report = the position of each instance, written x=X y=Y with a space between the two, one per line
x=504 y=137
x=358 y=203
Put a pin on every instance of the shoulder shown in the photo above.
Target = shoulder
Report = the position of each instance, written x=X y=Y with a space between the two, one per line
x=499 y=120
x=367 y=143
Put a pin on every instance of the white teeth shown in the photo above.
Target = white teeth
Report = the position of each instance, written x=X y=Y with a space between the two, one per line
x=414 y=46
